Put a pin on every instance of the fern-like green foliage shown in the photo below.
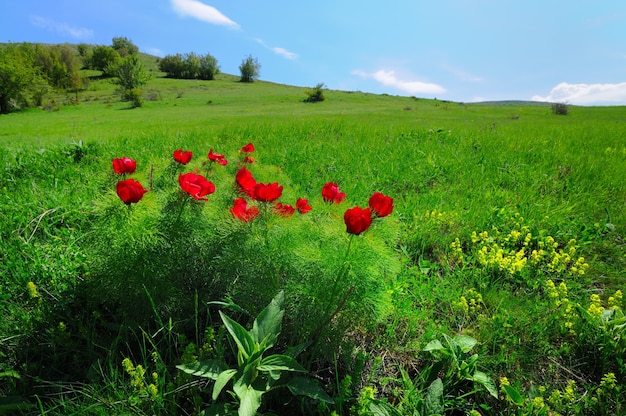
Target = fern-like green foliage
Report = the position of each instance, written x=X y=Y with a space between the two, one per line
x=173 y=246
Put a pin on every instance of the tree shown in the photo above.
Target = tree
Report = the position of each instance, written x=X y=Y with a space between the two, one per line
x=16 y=75
x=103 y=57
x=208 y=67
x=124 y=46
x=130 y=76
x=249 y=69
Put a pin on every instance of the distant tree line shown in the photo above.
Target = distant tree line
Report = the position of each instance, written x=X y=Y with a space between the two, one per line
x=29 y=71
x=189 y=66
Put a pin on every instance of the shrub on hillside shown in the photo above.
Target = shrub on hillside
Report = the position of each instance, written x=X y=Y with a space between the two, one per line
x=560 y=109
x=315 y=94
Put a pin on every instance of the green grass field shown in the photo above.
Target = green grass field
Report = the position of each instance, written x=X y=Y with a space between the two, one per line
x=507 y=229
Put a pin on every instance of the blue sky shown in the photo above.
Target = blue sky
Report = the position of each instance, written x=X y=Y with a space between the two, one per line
x=459 y=50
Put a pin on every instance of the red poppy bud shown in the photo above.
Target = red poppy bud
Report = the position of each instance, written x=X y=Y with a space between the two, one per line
x=357 y=220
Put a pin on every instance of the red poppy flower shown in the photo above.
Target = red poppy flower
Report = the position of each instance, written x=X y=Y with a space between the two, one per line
x=267 y=192
x=124 y=165
x=357 y=220
x=217 y=157
x=182 y=157
x=130 y=191
x=381 y=205
x=241 y=211
x=303 y=205
x=330 y=193
x=284 y=210
x=196 y=185
x=249 y=148
x=246 y=181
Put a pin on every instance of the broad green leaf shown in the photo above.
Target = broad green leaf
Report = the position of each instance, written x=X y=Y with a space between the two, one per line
x=279 y=362
x=206 y=368
x=433 y=345
x=222 y=379
x=513 y=394
x=250 y=402
x=486 y=381
x=304 y=386
x=434 y=398
x=243 y=339
x=268 y=324
x=381 y=408
x=465 y=342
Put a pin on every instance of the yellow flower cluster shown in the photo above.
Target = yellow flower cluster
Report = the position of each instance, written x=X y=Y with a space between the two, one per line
x=615 y=301
x=564 y=399
x=595 y=308
x=565 y=308
x=471 y=302
x=457 y=250
x=440 y=217
x=138 y=382
x=557 y=260
x=32 y=290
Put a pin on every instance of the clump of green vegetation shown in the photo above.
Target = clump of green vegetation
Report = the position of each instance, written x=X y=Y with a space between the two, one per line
x=315 y=94
x=560 y=109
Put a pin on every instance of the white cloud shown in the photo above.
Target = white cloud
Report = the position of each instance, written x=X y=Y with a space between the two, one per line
x=61 y=28
x=278 y=51
x=201 y=11
x=285 y=53
x=389 y=79
x=586 y=94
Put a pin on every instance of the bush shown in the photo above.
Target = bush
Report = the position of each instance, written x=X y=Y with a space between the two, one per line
x=249 y=69
x=315 y=94
x=560 y=109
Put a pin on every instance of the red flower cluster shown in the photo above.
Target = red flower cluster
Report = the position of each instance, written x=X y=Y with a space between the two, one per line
x=358 y=219
x=217 y=157
x=330 y=193
x=263 y=193
x=130 y=191
x=182 y=157
x=124 y=165
x=196 y=185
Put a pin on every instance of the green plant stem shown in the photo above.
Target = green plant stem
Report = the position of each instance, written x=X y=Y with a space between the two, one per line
x=342 y=272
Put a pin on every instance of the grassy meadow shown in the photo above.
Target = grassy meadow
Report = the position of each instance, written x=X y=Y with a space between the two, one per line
x=493 y=288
